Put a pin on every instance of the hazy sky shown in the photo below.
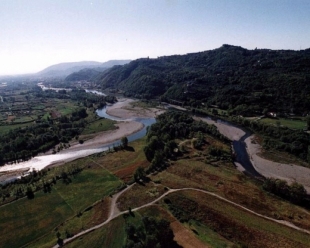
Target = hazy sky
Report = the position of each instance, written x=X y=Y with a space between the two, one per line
x=37 y=33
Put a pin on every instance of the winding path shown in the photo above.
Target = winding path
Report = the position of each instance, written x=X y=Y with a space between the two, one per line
x=114 y=211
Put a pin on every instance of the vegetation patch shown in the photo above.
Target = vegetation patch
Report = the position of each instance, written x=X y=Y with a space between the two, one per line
x=140 y=194
x=111 y=235
x=233 y=223
x=91 y=216
x=290 y=123
x=99 y=126
x=46 y=211
x=124 y=162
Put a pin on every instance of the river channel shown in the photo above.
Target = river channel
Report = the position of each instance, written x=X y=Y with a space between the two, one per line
x=40 y=162
x=239 y=148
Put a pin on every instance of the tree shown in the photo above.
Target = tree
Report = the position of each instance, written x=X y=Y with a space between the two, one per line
x=124 y=141
x=139 y=174
x=297 y=192
x=308 y=122
x=29 y=193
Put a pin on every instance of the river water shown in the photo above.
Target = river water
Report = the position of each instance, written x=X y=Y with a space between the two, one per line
x=239 y=148
x=95 y=92
x=40 y=162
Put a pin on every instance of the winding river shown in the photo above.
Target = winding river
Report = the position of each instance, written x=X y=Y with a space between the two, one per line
x=40 y=162
x=238 y=146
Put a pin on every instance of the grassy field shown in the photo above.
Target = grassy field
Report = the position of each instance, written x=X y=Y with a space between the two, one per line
x=112 y=235
x=40 y=216
x=194 y=170
x=99 y=126
x=65 y=107
x=93 y=215
x=124 y=163
x=7 y=127
x=83 y=203
x=290 y=123
x=26 y=220
x=233 y=223
x=207 y=235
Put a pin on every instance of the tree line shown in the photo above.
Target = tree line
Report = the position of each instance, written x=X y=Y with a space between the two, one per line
x=23 y=143
x=295 y=142
x=173 y=125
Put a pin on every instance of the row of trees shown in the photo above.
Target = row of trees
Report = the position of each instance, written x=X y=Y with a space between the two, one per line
x=35 y=181
x=296 y=142
x=24 y=143
x=295 y=192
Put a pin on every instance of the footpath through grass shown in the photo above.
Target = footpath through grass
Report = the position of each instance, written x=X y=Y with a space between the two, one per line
x=233 y=223
x=24 y=221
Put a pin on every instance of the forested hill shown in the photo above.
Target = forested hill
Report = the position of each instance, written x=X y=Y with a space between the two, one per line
x=85 y=74
x=244 y=81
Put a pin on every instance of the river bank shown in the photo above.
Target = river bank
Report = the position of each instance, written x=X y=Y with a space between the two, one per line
x=288 y=172
x=267 y=168
x=93 y=144
x=125 y=110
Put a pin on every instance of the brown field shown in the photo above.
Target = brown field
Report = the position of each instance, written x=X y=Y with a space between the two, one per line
x=235 y=224
x=185 y=237
x=139 y=195
x=220 y=177
x=123 y=163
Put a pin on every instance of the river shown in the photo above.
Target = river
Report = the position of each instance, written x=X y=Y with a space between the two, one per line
x=40 y=162
x=237 y=135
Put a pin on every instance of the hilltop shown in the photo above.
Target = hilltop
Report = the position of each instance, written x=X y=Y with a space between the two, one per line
x=231 y=77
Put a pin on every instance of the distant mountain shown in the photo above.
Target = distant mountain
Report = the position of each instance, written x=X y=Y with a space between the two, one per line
x=242 y=81
x=65 y=69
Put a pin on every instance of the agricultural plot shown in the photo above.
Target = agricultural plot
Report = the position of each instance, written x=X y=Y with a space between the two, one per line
x=40 y=216
x=290 y=123
x=231 y=210
x=99 y=126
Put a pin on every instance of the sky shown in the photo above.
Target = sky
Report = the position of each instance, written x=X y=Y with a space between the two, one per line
x=35 y=34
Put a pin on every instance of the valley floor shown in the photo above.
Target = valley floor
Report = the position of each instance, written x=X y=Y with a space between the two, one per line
x=267 y=168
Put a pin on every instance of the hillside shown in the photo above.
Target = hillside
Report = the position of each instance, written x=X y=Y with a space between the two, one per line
x=236 y=79
x=65 y=69
x=85 y=74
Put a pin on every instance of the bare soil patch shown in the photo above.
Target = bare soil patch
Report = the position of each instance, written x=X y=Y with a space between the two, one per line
x=185 y=237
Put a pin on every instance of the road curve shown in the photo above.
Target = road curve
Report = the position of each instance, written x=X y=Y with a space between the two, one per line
x=114 y=212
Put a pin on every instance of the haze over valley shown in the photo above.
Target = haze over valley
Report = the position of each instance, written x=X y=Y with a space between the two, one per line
x=194 y=132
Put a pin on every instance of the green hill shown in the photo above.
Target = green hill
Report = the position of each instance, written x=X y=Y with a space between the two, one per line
x=231 y=77
x=85 y=74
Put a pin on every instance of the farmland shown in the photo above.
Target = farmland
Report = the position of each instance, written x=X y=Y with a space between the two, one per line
x=95 y=183
x=198 y=196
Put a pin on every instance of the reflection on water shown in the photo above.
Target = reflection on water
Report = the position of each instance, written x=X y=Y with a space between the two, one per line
x=40 y=162
x=95 y=92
